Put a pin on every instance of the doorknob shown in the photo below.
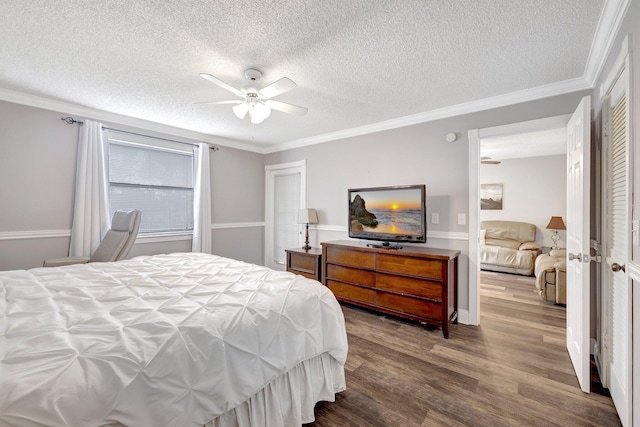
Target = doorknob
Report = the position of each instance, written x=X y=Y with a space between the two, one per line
x=615 y=267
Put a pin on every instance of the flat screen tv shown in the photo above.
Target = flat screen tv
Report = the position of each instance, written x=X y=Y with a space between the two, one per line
x=388 y=214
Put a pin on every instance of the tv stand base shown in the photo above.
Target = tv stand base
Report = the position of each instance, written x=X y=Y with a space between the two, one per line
x=384 y=245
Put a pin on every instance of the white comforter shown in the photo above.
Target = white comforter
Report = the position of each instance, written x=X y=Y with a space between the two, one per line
x=166 y=340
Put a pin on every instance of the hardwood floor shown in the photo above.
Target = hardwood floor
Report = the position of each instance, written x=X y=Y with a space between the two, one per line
x=513 y=370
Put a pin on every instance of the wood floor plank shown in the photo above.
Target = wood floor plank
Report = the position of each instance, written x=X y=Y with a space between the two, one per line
x=512 y=370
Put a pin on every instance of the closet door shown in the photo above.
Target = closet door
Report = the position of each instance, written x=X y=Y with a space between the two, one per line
x=285 y=196
x=617 y=284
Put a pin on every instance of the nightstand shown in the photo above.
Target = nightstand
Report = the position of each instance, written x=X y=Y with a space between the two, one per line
x=305 y=263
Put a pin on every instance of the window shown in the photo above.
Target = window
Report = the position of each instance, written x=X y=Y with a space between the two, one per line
x=157 y=179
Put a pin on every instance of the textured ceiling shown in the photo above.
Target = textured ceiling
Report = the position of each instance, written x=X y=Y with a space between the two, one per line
x=548 y=142
x=356 y=62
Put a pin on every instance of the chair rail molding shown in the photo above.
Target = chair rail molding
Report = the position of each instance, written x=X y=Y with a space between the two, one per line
x=33 y=234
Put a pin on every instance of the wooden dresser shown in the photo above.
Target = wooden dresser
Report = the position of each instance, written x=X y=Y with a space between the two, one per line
x=416 y=283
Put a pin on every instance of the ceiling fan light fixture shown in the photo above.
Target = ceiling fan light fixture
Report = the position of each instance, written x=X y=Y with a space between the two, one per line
x=257 y=103
x=241 y=110
x=259 y=113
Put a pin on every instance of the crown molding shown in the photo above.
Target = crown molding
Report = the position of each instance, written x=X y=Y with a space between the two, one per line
x=93 y=113
x=609 y=24
x=540 y=92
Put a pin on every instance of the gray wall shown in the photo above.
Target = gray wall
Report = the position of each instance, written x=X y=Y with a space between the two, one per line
x=237 y=182
x=416 y=154
x=37 y=173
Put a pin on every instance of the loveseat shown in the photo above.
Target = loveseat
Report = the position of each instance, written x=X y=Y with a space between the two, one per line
x=508 y=247
x=551 y=276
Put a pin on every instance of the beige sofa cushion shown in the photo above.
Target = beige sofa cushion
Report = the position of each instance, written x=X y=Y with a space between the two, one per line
x=507 y=260
x=509 y=230
x=510 y=244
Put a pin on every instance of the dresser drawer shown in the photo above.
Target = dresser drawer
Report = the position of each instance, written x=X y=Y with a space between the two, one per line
x=418 y=307
x=345 y=256
x=353 y=275
x=352 y=292
x=303 y=262
x=406 y=265
x=409 y=286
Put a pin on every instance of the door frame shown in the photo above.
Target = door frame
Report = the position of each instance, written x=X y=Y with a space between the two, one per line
x=271 y=171
x=475 y=137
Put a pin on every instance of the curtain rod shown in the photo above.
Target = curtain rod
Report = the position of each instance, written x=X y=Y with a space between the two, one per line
x=71 y=121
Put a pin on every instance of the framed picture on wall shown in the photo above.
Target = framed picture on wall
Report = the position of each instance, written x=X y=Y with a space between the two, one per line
x=491 y=196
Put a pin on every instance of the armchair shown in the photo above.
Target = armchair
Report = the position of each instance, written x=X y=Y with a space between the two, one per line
x=551 y=276
x=115 y=245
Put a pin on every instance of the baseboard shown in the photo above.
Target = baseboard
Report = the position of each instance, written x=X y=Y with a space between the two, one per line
x=463 y=317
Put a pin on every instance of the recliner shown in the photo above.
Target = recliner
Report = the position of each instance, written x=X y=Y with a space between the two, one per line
x=115 y=245
x=551 y=276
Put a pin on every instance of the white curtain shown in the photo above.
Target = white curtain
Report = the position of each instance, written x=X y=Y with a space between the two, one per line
x=202 y=202
x=91 y=218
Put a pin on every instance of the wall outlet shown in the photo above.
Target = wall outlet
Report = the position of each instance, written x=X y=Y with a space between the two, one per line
x=435 y=218
x=462 y=219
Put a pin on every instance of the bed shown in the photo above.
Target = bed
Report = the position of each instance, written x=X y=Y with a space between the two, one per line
x=167 y=340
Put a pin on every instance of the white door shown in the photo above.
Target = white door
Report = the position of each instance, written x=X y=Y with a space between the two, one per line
x=578 y=225
x=618 y=235
x=285 y=196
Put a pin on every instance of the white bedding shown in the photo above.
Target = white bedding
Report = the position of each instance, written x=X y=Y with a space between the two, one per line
x=166 y=340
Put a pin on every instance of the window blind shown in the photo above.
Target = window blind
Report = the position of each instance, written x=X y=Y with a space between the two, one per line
x=156 y=180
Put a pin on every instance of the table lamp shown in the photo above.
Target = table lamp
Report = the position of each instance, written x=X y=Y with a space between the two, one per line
x=556 y=223
x=307 y=216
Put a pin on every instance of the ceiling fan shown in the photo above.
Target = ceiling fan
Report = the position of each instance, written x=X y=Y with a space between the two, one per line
x=257 y=103
x=487 y=161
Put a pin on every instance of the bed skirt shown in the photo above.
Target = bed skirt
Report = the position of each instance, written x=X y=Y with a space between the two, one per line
x=289 y=400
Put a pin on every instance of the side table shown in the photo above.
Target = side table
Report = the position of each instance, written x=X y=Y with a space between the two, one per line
x=305 y=263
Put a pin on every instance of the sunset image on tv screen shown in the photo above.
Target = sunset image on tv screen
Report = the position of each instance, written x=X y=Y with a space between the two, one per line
x=397 y=211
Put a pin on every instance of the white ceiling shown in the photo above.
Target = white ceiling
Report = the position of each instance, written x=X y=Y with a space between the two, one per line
x=359 y=65
x=548 y=142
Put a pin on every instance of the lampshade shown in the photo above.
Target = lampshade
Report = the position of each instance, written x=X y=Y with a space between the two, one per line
x=259 y=112
x=556 y=223
x=307 y=216
x=241 y=110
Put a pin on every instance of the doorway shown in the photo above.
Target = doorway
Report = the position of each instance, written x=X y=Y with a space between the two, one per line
x=285 y=195
x=538 y=147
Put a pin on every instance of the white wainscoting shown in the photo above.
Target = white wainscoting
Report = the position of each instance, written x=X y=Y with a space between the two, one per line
x=33 y=234
x=150 y=238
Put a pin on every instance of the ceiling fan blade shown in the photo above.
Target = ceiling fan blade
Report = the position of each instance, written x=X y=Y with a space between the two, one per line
x=238 y=101
x=276 y=88
x=222 y=84
x=490 y=162
x=287 y=108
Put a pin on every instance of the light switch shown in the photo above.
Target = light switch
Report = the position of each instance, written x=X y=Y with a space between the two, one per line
x=435 y=218
x=635 y=232
x=462 y=219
